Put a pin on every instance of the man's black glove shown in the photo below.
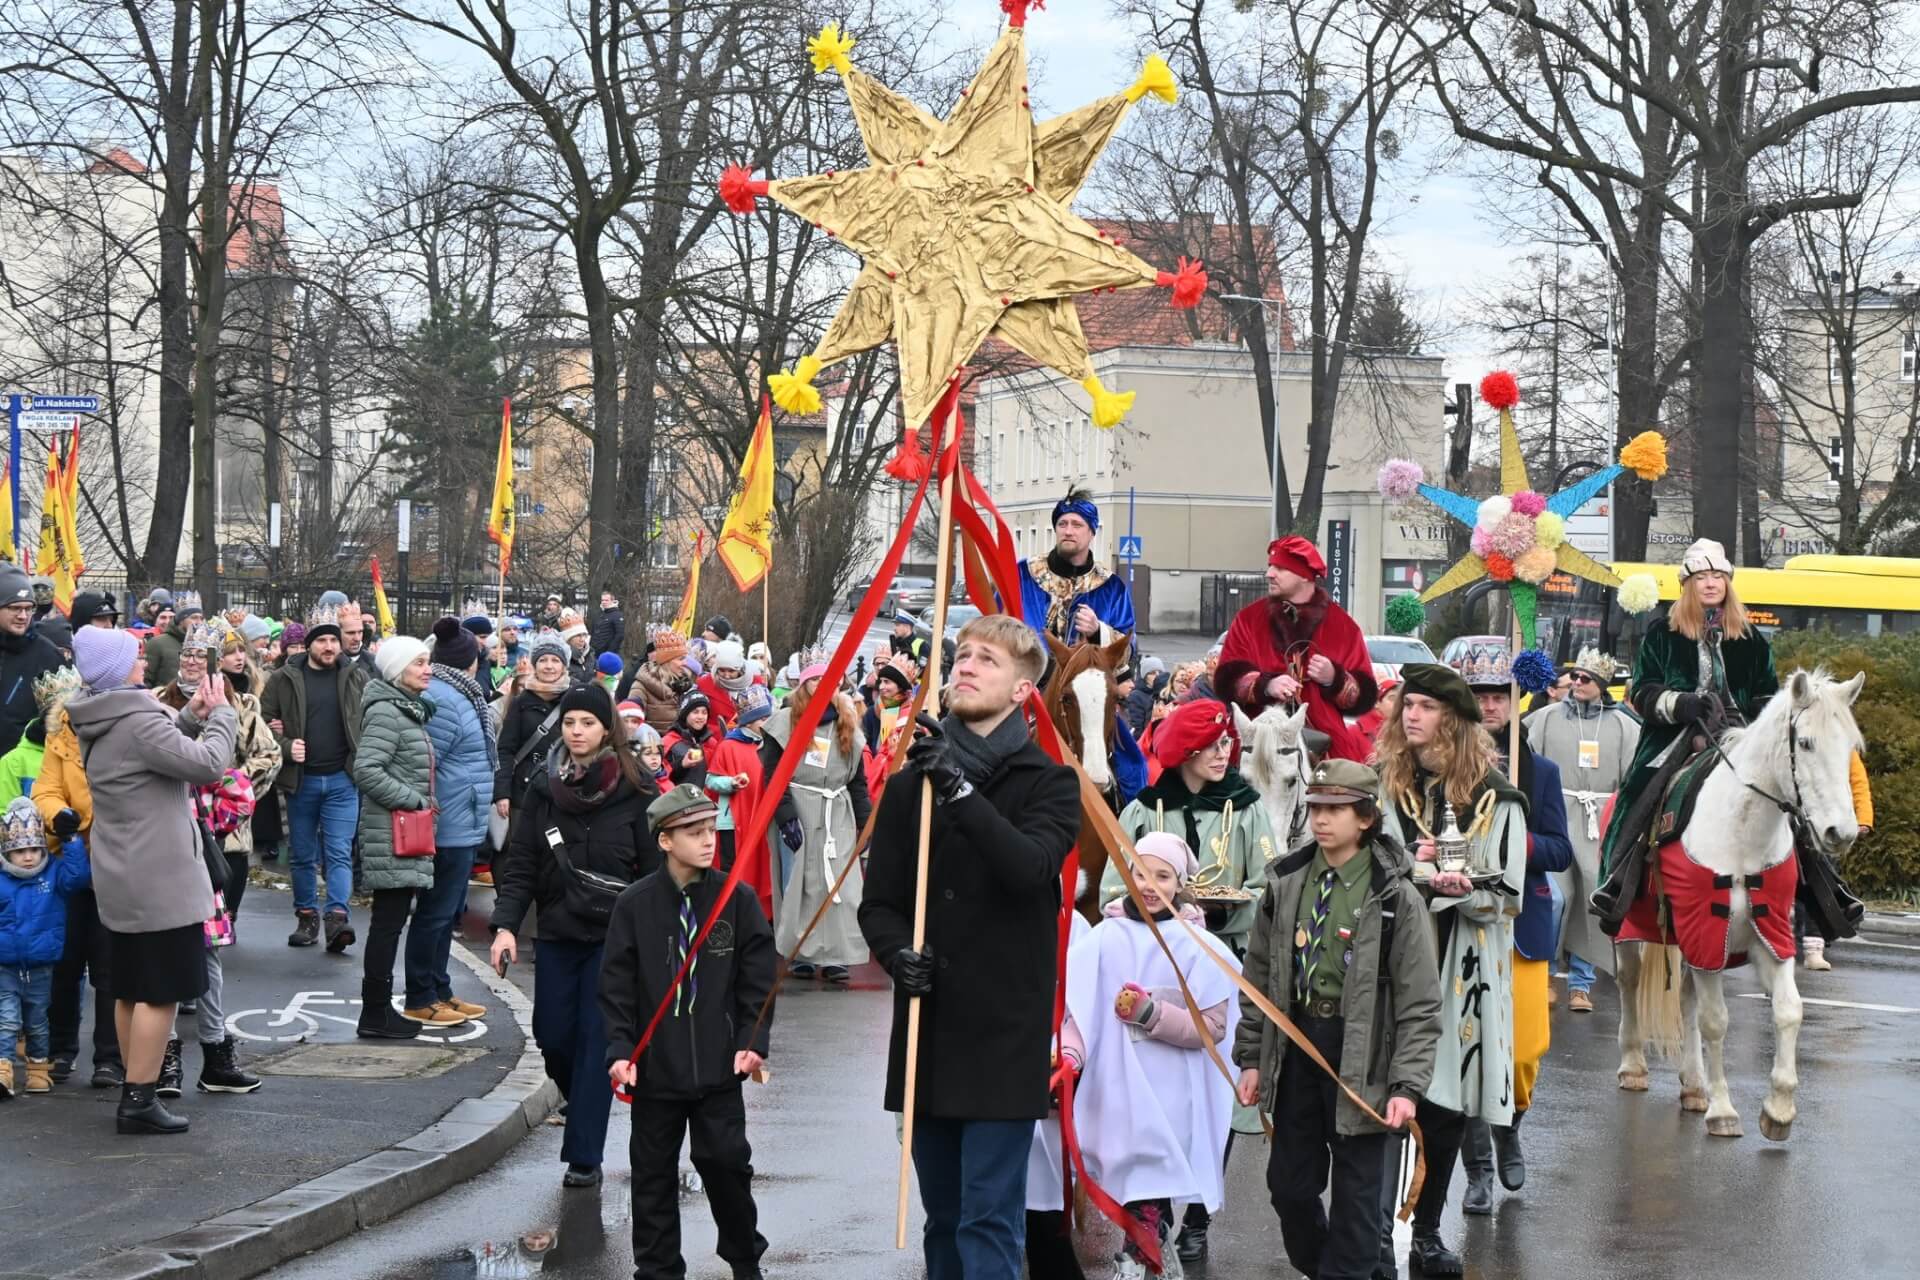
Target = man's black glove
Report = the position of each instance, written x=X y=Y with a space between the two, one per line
x=66 y=823
x=934 y=758
x=1695 y=708
x=793 y=835
x=913 y=970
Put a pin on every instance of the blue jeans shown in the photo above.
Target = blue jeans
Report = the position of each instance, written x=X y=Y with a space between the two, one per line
x=430 y=936
x=322 y=814
x=573 y=1042
x=973 y=1182
x=1579 y=970
x=25 y=997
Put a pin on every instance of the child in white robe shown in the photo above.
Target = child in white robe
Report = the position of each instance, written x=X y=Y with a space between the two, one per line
x=1152 y=1110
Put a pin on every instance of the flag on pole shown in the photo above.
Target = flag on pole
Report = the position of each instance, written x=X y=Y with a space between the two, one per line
x=500 y=521
x=8 y=551
x=56 y=556
x=380 y=609
x=70 y=503
x=683 y=621
x=746 y=540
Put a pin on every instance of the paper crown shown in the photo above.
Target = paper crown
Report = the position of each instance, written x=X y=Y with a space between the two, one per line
x=1484 y=666
x=55 y=687
x=186 y=602
x=204 y=637
x=323 y=615
x=20 y=827
x=1601 y=665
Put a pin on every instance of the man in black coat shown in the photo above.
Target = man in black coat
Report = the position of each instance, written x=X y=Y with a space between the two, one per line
x=24 y=657
x=609 y=626
x=1004 y=822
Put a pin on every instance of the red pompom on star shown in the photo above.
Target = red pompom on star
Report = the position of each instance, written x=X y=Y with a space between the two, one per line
x=1016 y=10
x=739 y=189
x=910 y=463
x=1189 y=284
x=1500 y=390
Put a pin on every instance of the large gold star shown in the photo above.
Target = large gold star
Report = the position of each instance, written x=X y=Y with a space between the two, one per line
x=965 y=229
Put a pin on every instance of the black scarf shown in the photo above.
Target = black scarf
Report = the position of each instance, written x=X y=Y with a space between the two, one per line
x=1058 y=563
x=982 y=757
x=1171 y=792
x=583 y=788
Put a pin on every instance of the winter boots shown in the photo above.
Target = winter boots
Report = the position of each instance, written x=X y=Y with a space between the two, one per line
x=39 y=1075
x=171 y=1072
x=306 y=929
x=379 y=1020
x=6 y=1078
x=141 y=1111
x=220 y=1069
x=340 y=934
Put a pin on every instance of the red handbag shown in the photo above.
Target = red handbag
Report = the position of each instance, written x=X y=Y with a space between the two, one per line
x=413 y=828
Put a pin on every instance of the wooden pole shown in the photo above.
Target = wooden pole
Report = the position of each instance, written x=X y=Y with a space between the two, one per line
x=1513 y=707
x=943 y=567
x=766 y=638
x=503 y=589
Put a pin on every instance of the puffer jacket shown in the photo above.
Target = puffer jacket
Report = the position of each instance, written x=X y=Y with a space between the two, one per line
x=1390 y=1003
x=462 y=771
x=657 y=696
x=393 y=769
x=62 y=783
x=33 y=912
x=20 y=766
x=23 y=660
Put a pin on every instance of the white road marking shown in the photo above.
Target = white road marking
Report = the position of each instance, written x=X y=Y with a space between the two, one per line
x=1869 y=942
x=1837 y=1004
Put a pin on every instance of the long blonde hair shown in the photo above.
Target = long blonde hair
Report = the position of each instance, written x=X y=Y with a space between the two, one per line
x=1462 y=748
x=846 y=720
x=1689 y=617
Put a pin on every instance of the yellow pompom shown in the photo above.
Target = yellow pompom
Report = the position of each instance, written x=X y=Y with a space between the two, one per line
x=1645 y=455
x=1156 y=78
x=1639 y=593
x=1549 y=530
x=793 y=388
x=1109 y=407
x=830 y=49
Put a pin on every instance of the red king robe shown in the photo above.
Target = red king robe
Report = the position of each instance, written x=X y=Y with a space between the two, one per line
x=1271 y=638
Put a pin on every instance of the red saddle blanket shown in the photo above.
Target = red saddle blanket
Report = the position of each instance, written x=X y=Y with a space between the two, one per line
x=1701 y=902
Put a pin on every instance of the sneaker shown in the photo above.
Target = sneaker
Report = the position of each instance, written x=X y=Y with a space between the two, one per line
x=466 y=1007
x=108 y=1075
x=220 y=1070
x=39 y=1075
x=484 y=879
x=340 y=934
x=306 y=928
x=801 y=972
x=1579 y=1002
x=62 y=1069
x=171 y=1072
x=836 y=975
x=435 y=1015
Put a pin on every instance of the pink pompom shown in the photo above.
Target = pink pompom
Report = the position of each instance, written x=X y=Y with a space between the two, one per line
x=1400 y=479
x=1513 y=537
x=1529 y=503
x=1482 y=543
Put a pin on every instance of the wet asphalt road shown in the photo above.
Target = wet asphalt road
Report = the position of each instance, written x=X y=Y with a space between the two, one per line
x=1620 y=1185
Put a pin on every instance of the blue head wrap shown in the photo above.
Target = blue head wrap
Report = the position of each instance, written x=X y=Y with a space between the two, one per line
x=1071 y=506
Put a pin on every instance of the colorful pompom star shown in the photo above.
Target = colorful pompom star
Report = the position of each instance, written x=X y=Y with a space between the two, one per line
x=1493 y=510
x=1513 y=536
x=1549 y=530
x=1499 y=568
x=1529 y=503
x=1500 y=390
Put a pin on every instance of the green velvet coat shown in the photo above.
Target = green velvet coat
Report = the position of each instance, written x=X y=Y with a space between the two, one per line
x=1668 y=662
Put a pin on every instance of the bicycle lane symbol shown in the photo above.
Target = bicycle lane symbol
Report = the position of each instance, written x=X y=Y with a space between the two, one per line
x=301 y=1017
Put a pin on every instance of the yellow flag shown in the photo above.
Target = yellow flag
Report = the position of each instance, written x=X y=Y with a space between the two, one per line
x=683 y=621
x=500 y=521
x=380 y=609
x=746 y=540
x=56 y=555
x=8 y=551
x=70 y=504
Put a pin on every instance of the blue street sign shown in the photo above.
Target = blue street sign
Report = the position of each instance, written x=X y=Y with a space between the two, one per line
x=1130 y=547
x=539 y=508
x=64 y=404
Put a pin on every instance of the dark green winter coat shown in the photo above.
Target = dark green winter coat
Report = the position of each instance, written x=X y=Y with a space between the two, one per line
x=1667 y=663
x=393 y=768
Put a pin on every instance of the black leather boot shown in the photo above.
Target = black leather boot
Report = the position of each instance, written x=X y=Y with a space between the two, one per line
x=1476 y=1157
x=220 y=1070
x=141 y=1111
x=1513 y=1162
x=1430 y=1255
x=171 y=1072
x=379 y=1020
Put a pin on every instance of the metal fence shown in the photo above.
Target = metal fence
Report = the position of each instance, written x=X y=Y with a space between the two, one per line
x=1222 y=595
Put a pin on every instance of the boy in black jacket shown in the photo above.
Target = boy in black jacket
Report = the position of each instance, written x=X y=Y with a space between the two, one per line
x=705 y=1046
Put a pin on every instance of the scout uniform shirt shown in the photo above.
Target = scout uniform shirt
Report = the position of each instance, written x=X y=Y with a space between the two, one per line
x=1320 y=967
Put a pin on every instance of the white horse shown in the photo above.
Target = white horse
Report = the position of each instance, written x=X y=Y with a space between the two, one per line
x=1275 y=761
x=1795 y=754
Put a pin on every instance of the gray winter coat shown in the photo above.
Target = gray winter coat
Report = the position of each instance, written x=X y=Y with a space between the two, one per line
x=1389 y=1047
x=140 y=759
x=393 y=768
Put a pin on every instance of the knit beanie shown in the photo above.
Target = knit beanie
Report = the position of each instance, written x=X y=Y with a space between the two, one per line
x=752 y=705
x=590 y=698
x=609 y=664
x=1170 y=849
x=396 y=654
x=454 y=644
x=293 y=634
x=105 y=658
x=548 y=643
x=727 y=654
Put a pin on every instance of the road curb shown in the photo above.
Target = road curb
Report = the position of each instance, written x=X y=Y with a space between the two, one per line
x=464 y=1142
x=1906 y=926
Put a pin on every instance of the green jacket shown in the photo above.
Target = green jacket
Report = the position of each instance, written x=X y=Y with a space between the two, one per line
x=1231 y=838
x=393 y=768
x=162 y=653
x=1392 y=1021
x=20 y=766
x=285 y=699
x=1667 y=663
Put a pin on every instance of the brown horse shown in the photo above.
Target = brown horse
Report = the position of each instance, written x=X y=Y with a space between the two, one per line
x=1083 y=699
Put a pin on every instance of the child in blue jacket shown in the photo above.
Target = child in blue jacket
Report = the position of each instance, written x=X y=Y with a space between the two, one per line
x=33 y=932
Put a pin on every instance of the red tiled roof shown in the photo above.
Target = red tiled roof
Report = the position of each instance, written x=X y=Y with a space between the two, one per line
x=258 y=238
x=118 y=159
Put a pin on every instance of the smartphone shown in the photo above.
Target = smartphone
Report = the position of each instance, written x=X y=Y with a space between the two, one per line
x=501 y=968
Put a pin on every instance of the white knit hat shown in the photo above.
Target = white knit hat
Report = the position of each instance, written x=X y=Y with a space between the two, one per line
x=728 y=654
x=1705 y=556
x=1170 y=849
x=396 y=654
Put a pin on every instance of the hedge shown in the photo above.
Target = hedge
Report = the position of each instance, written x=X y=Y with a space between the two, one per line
x=1885 y=863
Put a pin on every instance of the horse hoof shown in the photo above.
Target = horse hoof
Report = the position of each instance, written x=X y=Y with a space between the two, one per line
x=1633 y=1081
x=1693 y=1100
x=1724 y=1126
x=1774 y=1130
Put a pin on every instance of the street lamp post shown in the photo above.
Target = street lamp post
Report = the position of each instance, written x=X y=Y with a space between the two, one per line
x=1273 y=349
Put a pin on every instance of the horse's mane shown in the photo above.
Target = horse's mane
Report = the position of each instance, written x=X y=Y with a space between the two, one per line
x=1256 y=765
x=1823 y=717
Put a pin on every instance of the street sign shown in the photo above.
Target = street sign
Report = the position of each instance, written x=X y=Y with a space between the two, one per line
x=1131 y=547
x=62 y=404
x=539 y=508
x=273 y=524
x=1340 y=561
x=403 y=541
x=47 y=420
x=1590 y=529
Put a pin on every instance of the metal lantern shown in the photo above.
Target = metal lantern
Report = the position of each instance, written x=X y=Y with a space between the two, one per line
x=1451 y=846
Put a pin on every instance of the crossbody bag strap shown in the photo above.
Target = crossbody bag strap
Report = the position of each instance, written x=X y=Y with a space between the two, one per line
x=546 y=727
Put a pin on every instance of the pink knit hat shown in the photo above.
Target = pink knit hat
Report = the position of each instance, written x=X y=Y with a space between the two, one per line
x=1170 y=849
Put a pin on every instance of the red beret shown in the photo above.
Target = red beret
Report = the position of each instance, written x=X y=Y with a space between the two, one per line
x=1296 y=555
x=1191 y=728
